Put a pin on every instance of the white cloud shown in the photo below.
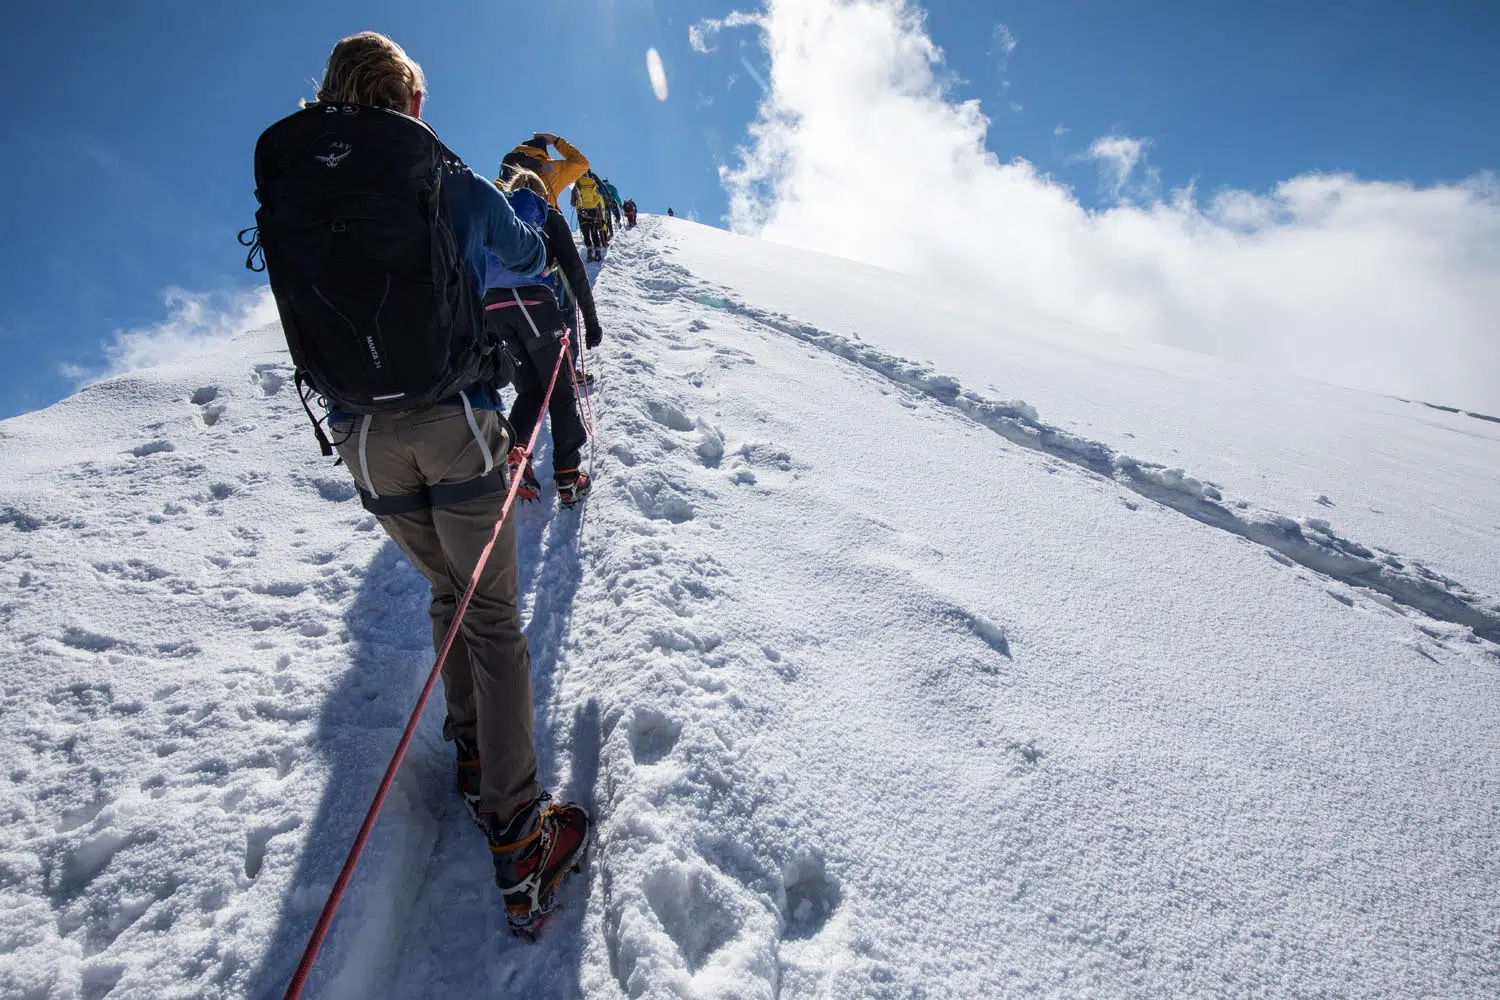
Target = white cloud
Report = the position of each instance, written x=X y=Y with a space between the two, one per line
x=702 y=34
x=1118 y=157
x=657 y=73
x=1381 y=285
x=194 y=321
x=1119 y=153
x=1004 y=41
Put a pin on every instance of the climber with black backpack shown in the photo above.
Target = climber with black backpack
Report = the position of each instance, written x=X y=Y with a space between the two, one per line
x=374 y=238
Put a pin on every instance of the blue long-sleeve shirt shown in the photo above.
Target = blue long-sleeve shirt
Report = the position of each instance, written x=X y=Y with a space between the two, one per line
x=483 y=220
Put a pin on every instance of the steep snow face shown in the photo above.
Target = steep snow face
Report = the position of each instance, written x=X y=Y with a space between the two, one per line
x=885 y=676
x=1411 y=477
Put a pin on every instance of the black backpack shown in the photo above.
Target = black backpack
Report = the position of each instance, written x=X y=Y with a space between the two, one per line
x=380 y=311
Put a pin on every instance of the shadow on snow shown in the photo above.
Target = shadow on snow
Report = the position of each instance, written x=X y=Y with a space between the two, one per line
x=422 y=905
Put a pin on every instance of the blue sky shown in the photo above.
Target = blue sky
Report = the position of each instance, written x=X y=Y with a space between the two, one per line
x=131 y=125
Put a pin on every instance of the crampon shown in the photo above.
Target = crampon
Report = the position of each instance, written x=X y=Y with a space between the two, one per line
x=572 y=486
x=529 y=870
x=530 y=489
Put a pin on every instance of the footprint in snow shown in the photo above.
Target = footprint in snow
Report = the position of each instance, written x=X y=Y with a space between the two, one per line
x=766 y=456
x=659 y=500
x=1027 y=751
x=670 y=416
x=259 y=839
x=334 y=489
x=699 y=909
x=268 y=378
x=812 y=896
x=279 y=589
x=989 y=633
x=152 y=448
x=710 y=446
x=652 y=735
x=91 y=642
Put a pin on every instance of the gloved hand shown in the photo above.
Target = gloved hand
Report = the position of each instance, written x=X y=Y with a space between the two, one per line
x=592 y=336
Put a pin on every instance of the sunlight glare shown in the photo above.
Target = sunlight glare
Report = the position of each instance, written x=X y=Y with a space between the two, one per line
x=658 y=74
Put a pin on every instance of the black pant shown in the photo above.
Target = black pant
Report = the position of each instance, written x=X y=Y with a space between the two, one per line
x=536 y=357
x=591 y=221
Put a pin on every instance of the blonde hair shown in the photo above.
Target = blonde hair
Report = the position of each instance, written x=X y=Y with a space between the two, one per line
x=520 y=177
x=370 y=69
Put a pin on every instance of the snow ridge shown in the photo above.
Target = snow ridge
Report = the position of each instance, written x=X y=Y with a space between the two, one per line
x=1310 y=542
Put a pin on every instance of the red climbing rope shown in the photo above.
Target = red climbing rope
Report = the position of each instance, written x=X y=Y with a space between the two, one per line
x=325 y=919
x=588 y=402
x=588 y=421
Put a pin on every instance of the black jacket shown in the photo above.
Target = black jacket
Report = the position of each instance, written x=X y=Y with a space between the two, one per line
x=560 y=238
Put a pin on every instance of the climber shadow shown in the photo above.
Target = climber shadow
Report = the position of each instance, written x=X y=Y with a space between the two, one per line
x=459 y=921
x=448 y=904
x=464 y=945
x=359 y=723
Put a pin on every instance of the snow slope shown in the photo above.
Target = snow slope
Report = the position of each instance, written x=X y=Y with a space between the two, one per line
x=886 y=677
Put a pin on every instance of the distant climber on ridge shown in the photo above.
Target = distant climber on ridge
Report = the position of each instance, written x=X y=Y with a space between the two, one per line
x=606 y=221
x=629 y=208
x=589 y=204
x=611 y=201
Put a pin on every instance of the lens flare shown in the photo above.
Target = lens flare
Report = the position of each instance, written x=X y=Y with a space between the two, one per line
x=658 y=74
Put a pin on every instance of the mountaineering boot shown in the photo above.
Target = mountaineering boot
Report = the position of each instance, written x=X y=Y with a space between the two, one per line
x=572 y=486
x=532 y=853
x=468 y=775
x=530 y=487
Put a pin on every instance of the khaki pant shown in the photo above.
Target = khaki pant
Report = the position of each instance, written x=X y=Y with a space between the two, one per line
x=487 y=675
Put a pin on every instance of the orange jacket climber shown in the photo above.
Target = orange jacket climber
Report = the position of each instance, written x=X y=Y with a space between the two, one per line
x=556 y=174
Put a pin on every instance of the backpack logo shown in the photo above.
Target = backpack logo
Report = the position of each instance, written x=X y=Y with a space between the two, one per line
x=336 y=154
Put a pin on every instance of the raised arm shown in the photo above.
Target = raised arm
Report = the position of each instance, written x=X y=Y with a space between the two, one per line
x=572 y=166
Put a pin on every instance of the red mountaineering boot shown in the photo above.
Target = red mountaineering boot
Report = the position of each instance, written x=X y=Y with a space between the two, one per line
x=533 y=853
